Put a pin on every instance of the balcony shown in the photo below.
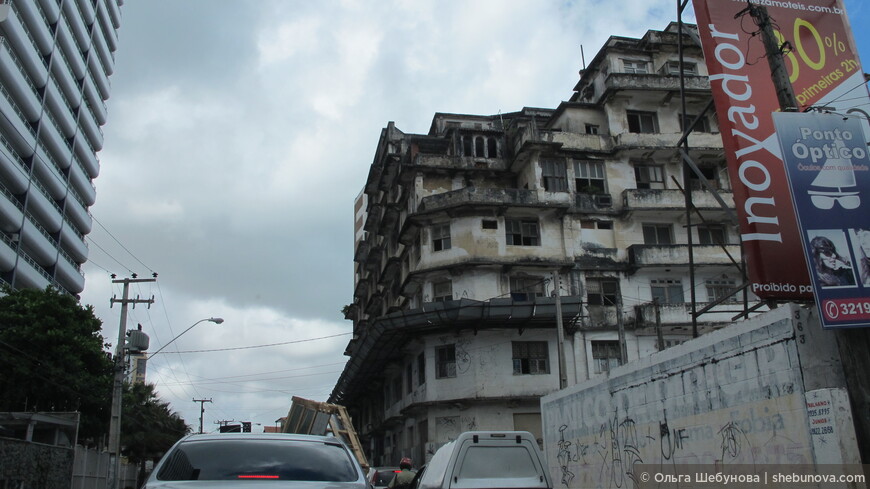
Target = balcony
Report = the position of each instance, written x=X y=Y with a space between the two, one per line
x=474 y=196
x=11 y=212
x=49 y=173
x=530 y=136
x=78 y=214
x=678 y=255
x=14 y=125
x=44 y=209
x=17 y=82
x=681 y=313
x=459 y=162
x=672 y=203
x=36 y=24
x=8 y=255
x=29 y=274
x=69 y=275
x=82 y=183
x=660 y=140
x=96 y=69
x=634 y=81
x=93 y=96
x=73 y=242
x=51 y=10
x=38 y=243
x=24 y=45
x=70 y=49
x=13 y=172
x=60 y=108
x=77 y=24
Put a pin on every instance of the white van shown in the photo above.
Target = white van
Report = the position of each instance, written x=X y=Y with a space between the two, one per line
x=487 y=460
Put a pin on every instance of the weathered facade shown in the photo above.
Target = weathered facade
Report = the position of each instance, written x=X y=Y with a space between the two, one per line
x=462 y=232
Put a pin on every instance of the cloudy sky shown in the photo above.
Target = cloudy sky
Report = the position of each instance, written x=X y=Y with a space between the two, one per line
x=240 y=133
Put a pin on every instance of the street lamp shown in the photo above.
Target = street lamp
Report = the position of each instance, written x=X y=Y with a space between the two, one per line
x=213 y=320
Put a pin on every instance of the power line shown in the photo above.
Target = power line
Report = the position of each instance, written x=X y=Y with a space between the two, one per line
x=263 y=346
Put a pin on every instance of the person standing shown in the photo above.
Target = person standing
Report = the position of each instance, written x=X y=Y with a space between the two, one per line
x=403 y=479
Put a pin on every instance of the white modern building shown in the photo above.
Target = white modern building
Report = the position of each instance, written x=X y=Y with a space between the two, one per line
x=461 y=233
x=56 y=57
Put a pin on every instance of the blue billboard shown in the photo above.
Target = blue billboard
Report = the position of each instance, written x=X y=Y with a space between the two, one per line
x=828 y=168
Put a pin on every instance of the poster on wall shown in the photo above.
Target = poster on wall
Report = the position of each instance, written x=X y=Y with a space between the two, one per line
x=828 y=168
x=824 y=70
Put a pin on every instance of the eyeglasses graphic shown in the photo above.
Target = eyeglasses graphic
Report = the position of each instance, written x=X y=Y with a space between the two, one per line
x=825 y=202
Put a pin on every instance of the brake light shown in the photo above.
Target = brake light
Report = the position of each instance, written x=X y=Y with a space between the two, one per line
x=259 y=477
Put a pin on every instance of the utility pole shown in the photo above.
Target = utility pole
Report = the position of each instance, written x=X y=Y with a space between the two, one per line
x=113 y=481
x=560 y=332
x=660 y=339
x=201 y=410
x=773 y=51
x=620 y=324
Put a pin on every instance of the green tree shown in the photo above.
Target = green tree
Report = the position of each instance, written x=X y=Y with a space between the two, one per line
x=52 y=358
x=148 y=426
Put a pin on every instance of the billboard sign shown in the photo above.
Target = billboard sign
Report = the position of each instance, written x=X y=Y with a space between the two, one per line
x=824 y=70
x=826 y=160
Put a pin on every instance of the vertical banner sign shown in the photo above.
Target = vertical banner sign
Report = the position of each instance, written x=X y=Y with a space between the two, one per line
x=824 y=70
x=829 y=174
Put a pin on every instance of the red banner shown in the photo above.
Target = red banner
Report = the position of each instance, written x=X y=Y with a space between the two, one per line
x=823 y=66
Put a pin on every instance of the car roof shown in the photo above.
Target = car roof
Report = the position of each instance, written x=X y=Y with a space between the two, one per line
x=259 y=436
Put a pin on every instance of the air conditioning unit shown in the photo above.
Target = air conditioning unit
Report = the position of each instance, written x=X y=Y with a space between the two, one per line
x=604 y=200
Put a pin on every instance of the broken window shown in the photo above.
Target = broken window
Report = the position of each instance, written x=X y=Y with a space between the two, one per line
x=445 y=361
x=642 y=122
x=589 y=177
x=634 y=66
x=657 y=234
x=605 y=356
x=703 y=125
x=441 y=237
x=689 y=69
x=712 y=235
x=489 y=224
x=649 y=176
x=522 y=232
x=526 y=288
x=667 y=291
x=491 y=148
x=717 y=289
x=554 y=174
x=592 y=128
x=421 y=369
x=601 y=291
x=531 y=357
x=442 y=291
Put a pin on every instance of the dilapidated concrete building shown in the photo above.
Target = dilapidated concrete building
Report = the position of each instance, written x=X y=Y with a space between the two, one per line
x=474 y=239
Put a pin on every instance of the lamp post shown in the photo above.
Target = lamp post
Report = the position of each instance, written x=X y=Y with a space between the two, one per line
x=213 y=320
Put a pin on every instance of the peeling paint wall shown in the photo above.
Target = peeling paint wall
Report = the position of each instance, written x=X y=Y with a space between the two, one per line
x=735 y=396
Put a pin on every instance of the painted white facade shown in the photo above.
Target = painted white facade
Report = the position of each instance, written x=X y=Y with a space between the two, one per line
x=56 y=57
x=459 y=233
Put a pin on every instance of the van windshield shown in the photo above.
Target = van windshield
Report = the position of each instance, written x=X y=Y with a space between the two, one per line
x=488 y=462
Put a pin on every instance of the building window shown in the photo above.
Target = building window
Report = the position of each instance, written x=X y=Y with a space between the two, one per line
x=703 y=125
x=642 y=122
x=689 y=69
x=601 y=291
x=409 y=378
x=605 y=356
x=592 y=129
x=554 y=175
x=667 y=291
x=711 y=178
x=717 y=289
x=712 y=235
x=467 y=146
x=593 y=224
x=634 y=66
x=522 y=233
x=657 y=234
x=649 y=176
x=421 y=369
x=589 y=177
x=526 y=288
x=531 y=357
x=491 y=148
x=445 y=361
x=479 y=147
x=489 y=224
x=441 y=237
x=442 y=291
x=397 y=388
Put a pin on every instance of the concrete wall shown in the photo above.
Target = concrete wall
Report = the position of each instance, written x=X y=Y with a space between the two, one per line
x=755 y=392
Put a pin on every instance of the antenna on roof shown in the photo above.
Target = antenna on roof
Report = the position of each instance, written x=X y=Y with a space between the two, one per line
x=582 y=57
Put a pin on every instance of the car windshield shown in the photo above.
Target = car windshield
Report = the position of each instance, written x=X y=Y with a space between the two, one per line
x=234 y=459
